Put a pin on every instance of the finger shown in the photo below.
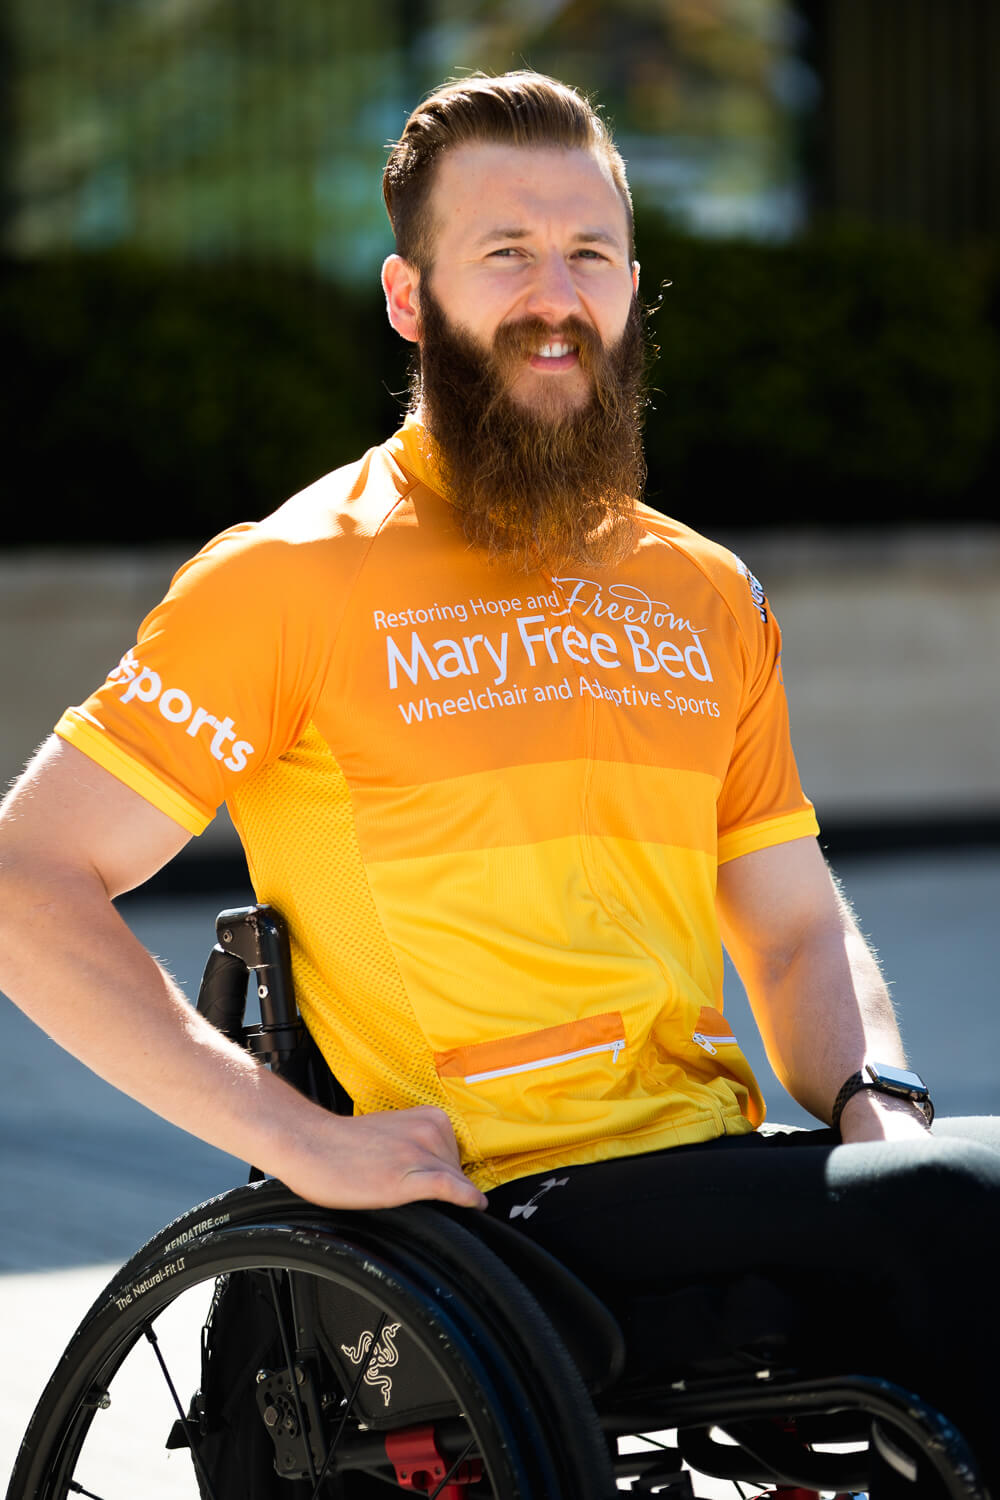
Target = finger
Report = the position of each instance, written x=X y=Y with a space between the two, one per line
x=449 y=1187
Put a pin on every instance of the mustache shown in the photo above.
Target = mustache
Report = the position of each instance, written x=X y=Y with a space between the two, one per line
x=521 y=339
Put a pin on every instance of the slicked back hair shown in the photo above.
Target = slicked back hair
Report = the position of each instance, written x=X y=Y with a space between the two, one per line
x=513 y=109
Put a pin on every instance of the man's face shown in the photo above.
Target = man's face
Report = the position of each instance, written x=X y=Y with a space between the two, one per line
x=531 y=353
x=534 y=236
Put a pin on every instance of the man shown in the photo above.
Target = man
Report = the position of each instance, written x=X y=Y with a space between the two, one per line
x=508 y=750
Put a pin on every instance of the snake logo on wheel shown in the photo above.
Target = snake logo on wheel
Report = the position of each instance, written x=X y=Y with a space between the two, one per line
x=386 y=1355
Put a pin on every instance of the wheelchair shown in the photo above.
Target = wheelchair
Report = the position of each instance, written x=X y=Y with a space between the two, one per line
x=421 y=1350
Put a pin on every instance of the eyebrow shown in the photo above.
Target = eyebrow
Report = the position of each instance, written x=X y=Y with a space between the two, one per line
x=583 y=237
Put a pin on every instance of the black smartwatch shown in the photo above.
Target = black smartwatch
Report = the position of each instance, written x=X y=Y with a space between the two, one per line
x=881 y=1078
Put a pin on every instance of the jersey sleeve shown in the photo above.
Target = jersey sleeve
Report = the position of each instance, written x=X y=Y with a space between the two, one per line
x=220 y=681
x=761 y=802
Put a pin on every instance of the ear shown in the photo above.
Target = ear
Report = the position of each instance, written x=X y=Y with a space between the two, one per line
x=400 y=281
x=635 y=277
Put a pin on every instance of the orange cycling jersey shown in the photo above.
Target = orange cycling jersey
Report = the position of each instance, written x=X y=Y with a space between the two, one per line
x=490 y=805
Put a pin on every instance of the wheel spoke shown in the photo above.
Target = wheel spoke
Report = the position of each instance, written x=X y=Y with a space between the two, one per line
x=365 y=1365
x=207 y=1491
x=460 y=1460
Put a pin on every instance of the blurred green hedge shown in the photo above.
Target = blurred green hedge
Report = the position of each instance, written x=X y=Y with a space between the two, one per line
x=845 y=379
x=848 y=378
x=149 y=402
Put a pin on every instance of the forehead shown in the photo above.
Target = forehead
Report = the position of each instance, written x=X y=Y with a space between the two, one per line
x=485 y=186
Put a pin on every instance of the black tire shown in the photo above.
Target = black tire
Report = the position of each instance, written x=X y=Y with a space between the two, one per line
x=499 y=1385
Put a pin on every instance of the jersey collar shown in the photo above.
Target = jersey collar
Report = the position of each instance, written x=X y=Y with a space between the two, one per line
x=415 y=450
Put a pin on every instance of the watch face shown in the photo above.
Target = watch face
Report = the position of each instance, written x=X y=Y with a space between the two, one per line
x=896 y=1078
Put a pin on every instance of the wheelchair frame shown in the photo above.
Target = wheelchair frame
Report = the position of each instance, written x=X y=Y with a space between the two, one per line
x=509 y=1372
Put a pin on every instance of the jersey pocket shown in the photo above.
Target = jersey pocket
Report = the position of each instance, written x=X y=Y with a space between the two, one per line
x=550 y=1047
x=719 y=1056
x=713 y=1033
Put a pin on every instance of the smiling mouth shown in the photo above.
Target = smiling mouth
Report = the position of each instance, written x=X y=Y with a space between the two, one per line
x=556 y=357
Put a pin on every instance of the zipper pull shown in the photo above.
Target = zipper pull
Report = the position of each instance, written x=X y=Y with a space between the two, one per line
x=705 y=1044
x=616 y=1047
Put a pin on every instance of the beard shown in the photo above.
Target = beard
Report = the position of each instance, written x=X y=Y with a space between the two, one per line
x=533 y=490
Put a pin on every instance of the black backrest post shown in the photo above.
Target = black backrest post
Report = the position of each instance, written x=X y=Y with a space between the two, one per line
x=222 y=996
x=257 y=936
x=254 y=940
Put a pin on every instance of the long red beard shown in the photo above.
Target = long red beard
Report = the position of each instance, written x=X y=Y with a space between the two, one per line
x=533 y=491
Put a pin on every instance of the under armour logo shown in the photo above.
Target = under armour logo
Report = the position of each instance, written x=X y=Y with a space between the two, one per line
x=525 y=1210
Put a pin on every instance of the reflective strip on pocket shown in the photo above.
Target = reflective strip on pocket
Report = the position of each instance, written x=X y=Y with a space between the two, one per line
x=550 y=1047
x=546 y=1062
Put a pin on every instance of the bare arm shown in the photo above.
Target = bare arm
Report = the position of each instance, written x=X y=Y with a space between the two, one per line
x=71 y=838
x=820 y=1002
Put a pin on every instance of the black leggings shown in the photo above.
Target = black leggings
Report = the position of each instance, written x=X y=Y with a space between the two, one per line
x=890 y=1249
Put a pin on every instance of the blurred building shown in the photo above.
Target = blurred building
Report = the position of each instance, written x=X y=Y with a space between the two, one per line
x=201 y=128
x=205 y=128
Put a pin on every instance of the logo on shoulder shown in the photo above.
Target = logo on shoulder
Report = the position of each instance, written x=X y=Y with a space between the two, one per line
x=143 y=685
x=756 y=588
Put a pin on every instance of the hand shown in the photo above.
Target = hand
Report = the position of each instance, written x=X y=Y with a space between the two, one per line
x=381 y=1160
x=878 y=1117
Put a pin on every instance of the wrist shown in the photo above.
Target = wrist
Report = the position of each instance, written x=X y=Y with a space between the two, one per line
x=888 y=1084
x=286 y=1134
x=868 y=1103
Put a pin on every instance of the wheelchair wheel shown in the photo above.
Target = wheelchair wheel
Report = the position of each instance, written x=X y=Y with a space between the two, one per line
x=407 y=1358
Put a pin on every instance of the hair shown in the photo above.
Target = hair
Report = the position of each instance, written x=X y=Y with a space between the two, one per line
x=515 y=109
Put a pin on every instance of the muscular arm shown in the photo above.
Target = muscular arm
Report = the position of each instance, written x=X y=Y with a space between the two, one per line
x=820 y=1002
x=71 y=838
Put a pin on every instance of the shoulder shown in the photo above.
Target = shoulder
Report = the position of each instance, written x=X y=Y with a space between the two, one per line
x=721 y=569
x=353 y=501
x=323 y=532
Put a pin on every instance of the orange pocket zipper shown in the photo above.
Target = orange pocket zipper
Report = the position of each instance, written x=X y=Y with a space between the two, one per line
x=534 y=1049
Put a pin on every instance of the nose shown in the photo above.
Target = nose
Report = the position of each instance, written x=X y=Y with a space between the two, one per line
x=553 y=294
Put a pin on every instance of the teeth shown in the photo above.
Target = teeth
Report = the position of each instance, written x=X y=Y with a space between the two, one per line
x=556 y=351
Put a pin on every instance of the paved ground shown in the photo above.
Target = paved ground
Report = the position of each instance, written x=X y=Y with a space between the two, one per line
x=85 y=1174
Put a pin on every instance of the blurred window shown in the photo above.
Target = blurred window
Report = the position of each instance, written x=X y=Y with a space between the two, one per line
x=220 y=128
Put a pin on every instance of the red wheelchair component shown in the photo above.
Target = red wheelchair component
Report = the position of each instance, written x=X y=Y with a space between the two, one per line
x=420 y=1465
x=787 y=1494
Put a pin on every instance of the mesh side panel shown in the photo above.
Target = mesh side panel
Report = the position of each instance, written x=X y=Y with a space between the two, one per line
x=298 y=827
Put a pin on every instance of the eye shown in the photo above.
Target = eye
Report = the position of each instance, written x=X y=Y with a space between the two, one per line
x=590 y=255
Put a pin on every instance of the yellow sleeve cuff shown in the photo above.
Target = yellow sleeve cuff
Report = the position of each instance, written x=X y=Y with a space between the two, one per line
x=797 y=825
x=78 y=730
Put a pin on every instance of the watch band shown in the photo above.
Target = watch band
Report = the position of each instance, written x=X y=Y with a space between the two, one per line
x=875 y=1084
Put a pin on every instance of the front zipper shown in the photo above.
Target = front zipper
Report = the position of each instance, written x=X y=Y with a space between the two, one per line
x=614 y=1048
x=711 y=1044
